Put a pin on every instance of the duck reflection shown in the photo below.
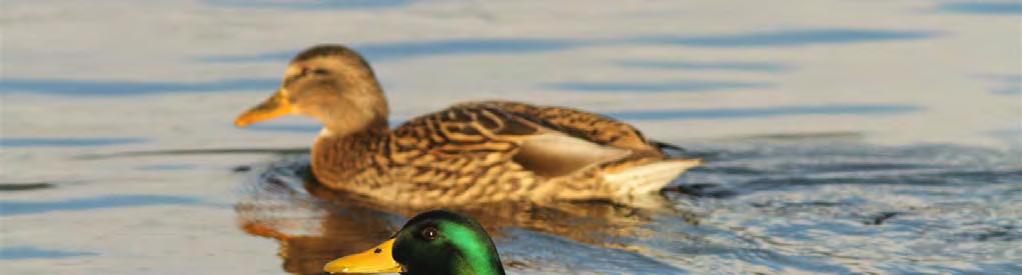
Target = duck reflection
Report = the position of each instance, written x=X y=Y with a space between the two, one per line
x=314 y=224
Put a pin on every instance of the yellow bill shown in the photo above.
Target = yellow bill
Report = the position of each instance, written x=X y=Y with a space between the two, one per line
x=275 y=106
x=375 y=260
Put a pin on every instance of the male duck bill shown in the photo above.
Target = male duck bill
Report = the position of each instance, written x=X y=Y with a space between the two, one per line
x=435 y=242
x=472 y=152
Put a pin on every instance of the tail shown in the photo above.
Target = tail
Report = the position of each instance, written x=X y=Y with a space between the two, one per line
x=663 y=146
x=646 y=178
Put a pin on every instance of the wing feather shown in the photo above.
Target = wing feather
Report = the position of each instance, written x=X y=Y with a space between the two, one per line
x=489 y=133
x=589 y=126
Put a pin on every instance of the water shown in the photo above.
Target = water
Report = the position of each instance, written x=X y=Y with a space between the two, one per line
x=840 y=136
x=818 y=206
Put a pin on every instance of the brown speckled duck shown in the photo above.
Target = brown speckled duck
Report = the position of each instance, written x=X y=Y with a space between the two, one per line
x=473 y=152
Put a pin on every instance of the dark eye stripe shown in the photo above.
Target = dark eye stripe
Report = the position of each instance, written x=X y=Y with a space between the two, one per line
x=289 y=80
x=305 y=72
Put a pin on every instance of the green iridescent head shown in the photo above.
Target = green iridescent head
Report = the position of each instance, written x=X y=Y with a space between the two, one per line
x=434 y=242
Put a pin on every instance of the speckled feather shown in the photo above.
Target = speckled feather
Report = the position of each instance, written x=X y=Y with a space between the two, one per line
x=465 y=154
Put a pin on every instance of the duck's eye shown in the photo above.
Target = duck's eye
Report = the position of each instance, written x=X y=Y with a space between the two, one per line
x=320 y=72
x=430 y=233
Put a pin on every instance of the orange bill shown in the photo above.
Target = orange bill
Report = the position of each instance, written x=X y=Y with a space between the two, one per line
x=275 y=106
x=378 y=259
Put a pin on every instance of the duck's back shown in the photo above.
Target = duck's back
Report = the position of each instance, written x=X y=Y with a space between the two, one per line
x=590 y=126
x=492 y=151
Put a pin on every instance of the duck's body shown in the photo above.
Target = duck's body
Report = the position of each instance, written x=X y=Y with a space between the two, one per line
x=472 y=152
x=486 y=152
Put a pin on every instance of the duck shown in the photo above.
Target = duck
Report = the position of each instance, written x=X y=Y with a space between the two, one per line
x=434 y=242
x=469 y=153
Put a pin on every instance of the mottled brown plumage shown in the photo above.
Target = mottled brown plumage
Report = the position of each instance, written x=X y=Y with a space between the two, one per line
x=474 y=152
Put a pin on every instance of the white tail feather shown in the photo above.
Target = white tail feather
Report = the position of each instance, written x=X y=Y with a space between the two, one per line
x=647 y=178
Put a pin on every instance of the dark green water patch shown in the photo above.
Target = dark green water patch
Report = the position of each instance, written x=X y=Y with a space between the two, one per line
x=25 y=186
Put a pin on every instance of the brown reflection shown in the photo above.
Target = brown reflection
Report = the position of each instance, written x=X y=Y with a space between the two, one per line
x=315 y=225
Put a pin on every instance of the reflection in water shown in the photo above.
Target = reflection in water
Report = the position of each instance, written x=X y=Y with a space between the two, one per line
x=315 y=225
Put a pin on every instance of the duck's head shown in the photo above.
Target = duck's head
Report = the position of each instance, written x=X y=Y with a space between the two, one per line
x=435 y=242
x=330 y=83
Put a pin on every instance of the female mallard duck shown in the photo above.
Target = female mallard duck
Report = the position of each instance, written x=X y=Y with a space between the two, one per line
x=434 y=242
x=472 y=152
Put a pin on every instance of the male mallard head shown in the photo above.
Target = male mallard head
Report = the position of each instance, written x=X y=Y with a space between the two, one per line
x=434 y=242
x=330 y=83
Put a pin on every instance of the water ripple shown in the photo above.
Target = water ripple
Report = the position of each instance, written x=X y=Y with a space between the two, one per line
x=741 y=66
x=71 y=87
x=67 y=142
x=312 y=4
x=778 y=38
x=404 y=50
x=10 y=208
x=788 y=38
x=984 y=8
x=657 y=87
x=698 y=114
x=29 y=252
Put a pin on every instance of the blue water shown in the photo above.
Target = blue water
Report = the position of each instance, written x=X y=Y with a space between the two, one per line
x=312 y=5
x=741 y=66
x=8 y=208
x=28 y=252
x=823 y=110
x=780 y=38
x=67 y=142
x=778 y=204
x=853 y=137
x=128 y=88
x=789 y=38
x=647 y=87
x=983 y=8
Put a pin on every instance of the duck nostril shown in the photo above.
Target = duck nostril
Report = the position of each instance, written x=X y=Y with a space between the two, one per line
x=378 y=250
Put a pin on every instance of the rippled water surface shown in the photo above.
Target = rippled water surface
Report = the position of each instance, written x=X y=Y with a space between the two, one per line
x=839 y=136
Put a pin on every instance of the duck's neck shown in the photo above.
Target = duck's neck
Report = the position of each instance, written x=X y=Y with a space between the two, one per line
x=477 y=255
x=462 y=263
x=480 y=265
x=336 y=157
